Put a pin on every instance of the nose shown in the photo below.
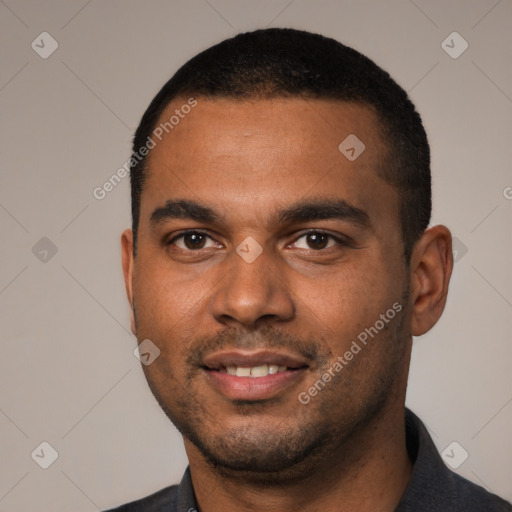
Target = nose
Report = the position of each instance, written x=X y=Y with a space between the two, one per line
x=253 y=293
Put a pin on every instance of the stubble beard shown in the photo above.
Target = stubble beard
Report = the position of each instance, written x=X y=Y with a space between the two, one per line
x=329 y=425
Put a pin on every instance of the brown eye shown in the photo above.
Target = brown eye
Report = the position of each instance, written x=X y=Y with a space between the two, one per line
x=317 y=240
x=193 y=240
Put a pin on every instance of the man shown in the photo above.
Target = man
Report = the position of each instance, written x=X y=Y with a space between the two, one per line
x=278 y=265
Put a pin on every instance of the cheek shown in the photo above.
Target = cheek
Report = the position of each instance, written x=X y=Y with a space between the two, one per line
x=346 y=303
x=165 y=315
x=166 y=303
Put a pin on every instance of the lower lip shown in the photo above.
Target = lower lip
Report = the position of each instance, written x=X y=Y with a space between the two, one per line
x=253 y=388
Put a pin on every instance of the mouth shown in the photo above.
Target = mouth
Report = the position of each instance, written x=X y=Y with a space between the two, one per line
x=253 y=375
x=255 y=372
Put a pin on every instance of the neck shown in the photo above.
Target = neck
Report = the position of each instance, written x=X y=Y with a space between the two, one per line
x=369 y=472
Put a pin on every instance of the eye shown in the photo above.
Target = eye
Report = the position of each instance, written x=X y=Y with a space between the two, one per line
x=193 y=240
x=317 y=240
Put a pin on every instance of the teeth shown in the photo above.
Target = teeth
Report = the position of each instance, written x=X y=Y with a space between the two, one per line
x=256 y=371
x=243 y=372
x=259 y=371
x=272 y=369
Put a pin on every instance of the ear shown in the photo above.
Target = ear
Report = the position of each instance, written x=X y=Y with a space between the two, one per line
x=128 y=263
x=431 y=269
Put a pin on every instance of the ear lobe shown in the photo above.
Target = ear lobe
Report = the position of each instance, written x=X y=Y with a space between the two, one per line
x=128 y=265
x=431 y=269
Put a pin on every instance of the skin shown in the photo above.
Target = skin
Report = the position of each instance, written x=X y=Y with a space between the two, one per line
x=344 y=450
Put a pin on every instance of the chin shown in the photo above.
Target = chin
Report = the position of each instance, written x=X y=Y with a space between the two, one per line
x=259 y=454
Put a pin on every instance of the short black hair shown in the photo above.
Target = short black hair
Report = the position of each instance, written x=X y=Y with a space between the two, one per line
x=282 y=62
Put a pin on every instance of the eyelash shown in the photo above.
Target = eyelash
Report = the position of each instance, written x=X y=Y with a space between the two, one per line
x=341 y=241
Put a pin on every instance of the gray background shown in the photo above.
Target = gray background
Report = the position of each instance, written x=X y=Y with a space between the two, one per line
x=67 y=372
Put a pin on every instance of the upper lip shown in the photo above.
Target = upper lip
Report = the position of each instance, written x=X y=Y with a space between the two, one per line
x=249 y=359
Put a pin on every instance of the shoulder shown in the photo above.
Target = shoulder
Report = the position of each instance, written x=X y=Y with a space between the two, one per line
x=470 y=496
x=435 y=488
x=158 y=502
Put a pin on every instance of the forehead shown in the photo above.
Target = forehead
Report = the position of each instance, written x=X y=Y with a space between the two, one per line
x=227 y=152
x=319 y=124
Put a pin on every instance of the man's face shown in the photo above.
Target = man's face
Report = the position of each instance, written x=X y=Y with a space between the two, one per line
x=275 y=250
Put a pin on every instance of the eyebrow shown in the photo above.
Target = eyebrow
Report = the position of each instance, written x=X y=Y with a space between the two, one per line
x=305 y=211
x=183 y=209
x=324 y=209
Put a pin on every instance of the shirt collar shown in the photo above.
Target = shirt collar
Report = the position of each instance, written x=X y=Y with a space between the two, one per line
x=430 y=476
x=185 y=497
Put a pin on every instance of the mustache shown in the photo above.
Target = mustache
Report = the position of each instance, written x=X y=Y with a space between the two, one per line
x=313 y=348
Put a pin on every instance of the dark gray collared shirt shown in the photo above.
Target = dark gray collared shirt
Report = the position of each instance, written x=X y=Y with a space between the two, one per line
x=432 y=488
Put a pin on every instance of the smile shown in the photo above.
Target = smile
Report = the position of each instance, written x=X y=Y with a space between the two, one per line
x=239 y=375
x=256 y=371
